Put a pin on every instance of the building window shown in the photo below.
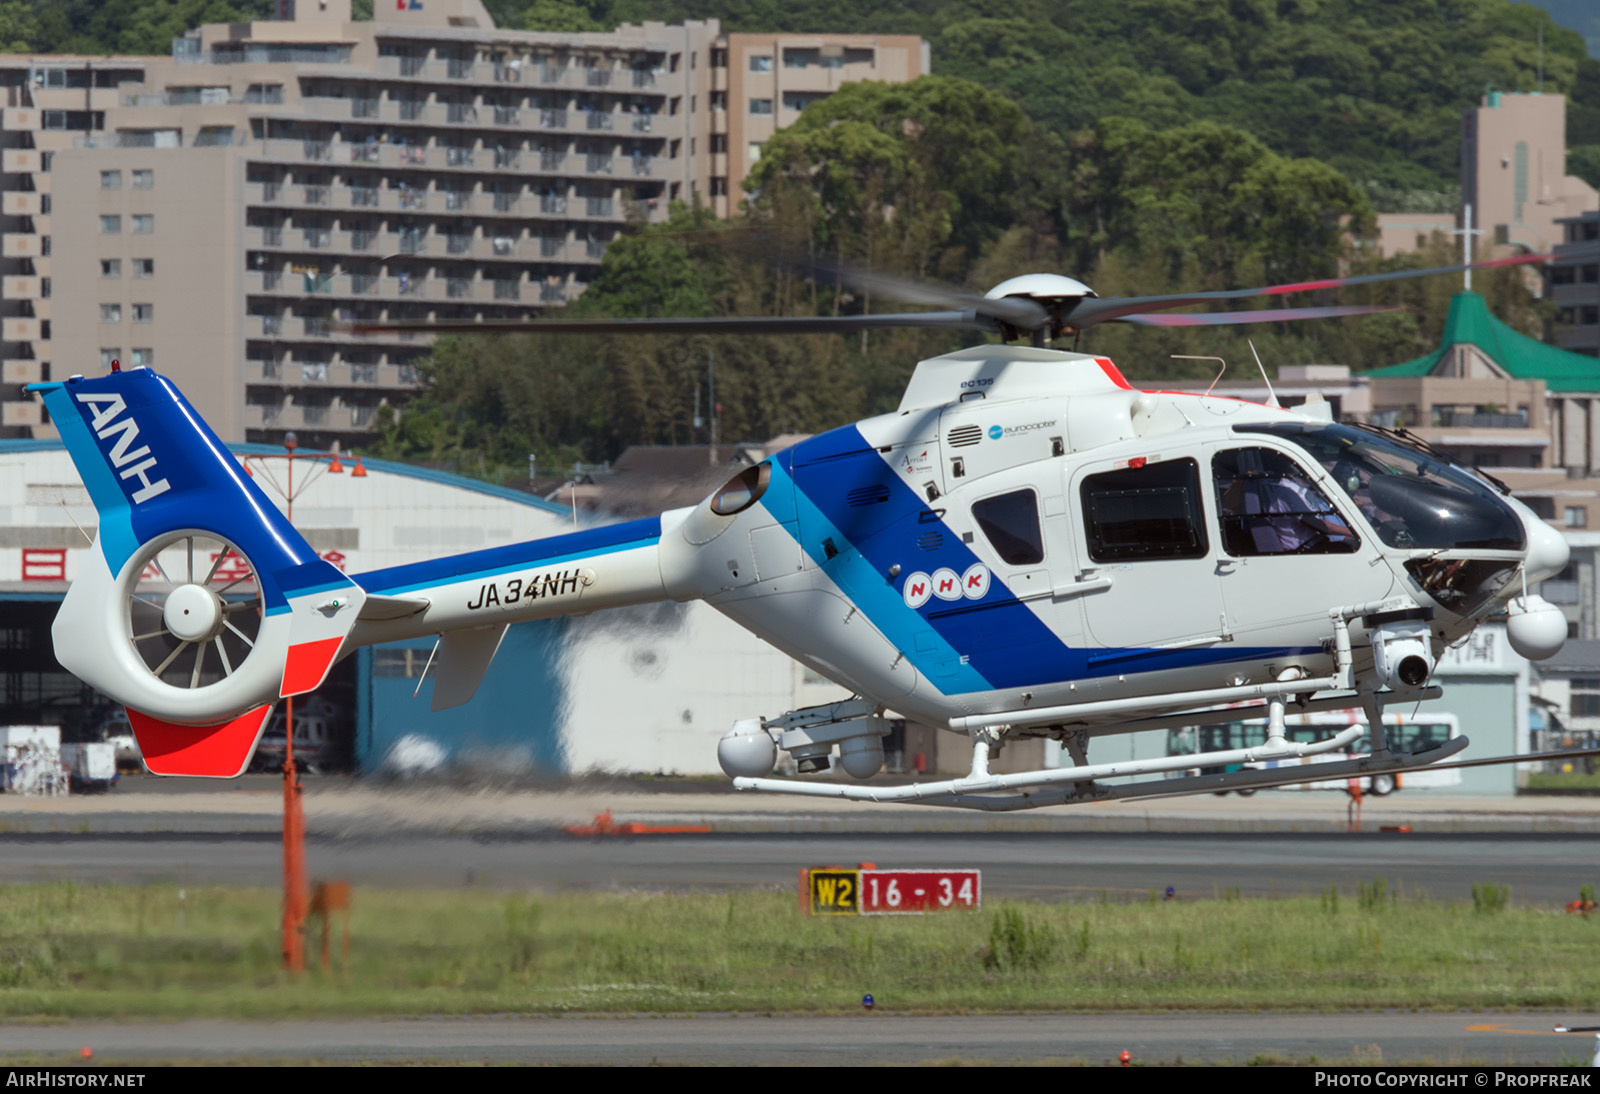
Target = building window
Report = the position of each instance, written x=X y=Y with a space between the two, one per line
x=761 y=107
x=110 y=313
x=111 y=267
x=111 y=180
x=143 y=313
x=799 y=100
x=1576 y=516
x=719 y=58
x=755 y=151
x=761 y=62
x=45 y=161
x=719 y=187
x=144 y=180
x=110 y=225
x=107 y=357
x=144 y=267
x=144 y=224
x=719 y=100
x=1586 y=696
x=144 y=358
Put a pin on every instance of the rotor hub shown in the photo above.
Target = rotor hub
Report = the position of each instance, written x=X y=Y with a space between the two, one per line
x=1042 y=287
x=193 y=613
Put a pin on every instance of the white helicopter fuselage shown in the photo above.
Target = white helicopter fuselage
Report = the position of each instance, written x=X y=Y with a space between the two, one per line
x=961 y=558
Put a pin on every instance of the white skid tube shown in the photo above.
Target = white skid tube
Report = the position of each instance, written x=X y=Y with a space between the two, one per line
x=980 y=781
x=1213 y=784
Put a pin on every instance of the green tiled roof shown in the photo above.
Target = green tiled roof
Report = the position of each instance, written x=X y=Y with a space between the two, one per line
x=1522 y=357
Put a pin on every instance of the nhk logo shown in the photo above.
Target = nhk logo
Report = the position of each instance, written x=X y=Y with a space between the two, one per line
x=107 y=408
x=946 y=584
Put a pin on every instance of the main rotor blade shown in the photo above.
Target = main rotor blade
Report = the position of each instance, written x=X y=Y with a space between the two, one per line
x=1266 y=315
x=744 y=324
x=1088 y=312
x=1014 y=311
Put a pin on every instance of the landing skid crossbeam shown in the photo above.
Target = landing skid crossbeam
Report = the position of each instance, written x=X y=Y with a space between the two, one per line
x=980 y=781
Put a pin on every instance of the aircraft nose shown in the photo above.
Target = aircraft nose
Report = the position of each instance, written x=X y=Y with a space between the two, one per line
x=1548 y=552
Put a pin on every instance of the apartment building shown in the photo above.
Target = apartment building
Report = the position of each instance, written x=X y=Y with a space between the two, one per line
x=232 y=207
x=46 y=103
x=761 y=83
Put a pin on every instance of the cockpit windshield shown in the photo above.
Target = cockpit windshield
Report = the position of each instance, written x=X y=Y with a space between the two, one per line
x=1412 y=499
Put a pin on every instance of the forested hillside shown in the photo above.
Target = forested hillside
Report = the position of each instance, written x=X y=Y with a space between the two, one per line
x=1372 y=87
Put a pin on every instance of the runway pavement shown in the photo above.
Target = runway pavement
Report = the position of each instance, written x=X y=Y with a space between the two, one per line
x=867 y=1039
x=1288 y=842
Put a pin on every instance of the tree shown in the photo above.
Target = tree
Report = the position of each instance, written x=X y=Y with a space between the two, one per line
x=900 y=175
x=1218 y=208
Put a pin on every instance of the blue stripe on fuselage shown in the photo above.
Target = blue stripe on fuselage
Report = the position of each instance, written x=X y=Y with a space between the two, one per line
x=868 y=588
x=542 y=552
x=1003 y=642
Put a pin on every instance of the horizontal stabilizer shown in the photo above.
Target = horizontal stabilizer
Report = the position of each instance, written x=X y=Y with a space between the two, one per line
x=464 y=657
x=392 y=607
x=216 y=751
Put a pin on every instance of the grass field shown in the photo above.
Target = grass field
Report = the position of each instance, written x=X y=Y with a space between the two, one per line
x=1567 y=781
x=159 y=951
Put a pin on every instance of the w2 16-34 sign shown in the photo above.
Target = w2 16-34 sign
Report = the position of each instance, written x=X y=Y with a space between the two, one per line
x=828 y=890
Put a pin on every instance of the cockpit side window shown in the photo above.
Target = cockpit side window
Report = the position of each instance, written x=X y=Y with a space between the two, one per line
x=1150 y=511
x=1269 y=506
x=1011 y=524
x=1411 y=497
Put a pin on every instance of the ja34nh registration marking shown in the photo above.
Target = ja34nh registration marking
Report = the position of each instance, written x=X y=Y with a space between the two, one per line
x=511 y=590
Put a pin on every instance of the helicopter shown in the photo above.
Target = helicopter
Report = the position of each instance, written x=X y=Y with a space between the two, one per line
x=1028 y=545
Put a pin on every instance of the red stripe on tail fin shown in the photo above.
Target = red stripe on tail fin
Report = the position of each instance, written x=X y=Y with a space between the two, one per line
x=307 y=663
x=218 y=751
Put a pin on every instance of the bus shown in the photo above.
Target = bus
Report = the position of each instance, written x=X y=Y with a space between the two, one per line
x=1407 y=733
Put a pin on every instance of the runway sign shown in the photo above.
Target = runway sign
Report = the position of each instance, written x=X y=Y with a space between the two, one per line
x=840 y=891
x=833 y=891
x=909 y=892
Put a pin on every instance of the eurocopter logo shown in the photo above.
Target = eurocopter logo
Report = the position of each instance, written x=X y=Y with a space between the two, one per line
x=106 y=408
x=946 y=584
x=996 y=432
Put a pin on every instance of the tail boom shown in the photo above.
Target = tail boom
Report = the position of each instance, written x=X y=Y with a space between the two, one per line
x=573 y=574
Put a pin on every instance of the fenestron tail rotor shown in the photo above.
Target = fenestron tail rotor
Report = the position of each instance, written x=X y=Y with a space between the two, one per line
x=194 y=612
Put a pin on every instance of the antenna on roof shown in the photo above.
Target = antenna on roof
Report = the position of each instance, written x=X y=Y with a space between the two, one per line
x=1191 y=357
x=1272 y=396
